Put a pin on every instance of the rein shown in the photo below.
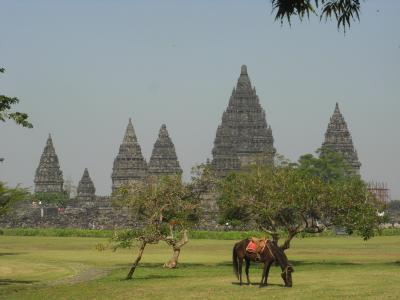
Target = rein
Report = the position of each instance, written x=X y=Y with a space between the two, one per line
x=269 y=249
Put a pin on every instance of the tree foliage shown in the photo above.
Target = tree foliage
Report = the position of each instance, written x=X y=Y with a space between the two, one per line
x=330 y=166
x=8 y=196
x=6 y=104
x=57 y=198
x=343 y=11
x=293 y=199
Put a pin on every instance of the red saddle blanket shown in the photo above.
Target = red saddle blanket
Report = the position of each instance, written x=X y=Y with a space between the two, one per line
x=251 y=247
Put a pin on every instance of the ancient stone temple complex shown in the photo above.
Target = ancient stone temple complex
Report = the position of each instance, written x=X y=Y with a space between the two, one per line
x=338 y=139
x=163 y=160
x=243 y=137
x=48 y=176
x=129 y=164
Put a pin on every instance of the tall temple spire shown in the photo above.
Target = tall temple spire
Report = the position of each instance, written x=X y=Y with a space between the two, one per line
x=163 y=159
x=48 y=176
x=129 y=164
x=243 y=134
x=338 y=139
x=86 y=187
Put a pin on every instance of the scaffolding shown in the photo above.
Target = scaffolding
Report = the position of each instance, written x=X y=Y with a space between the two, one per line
x=380 y=190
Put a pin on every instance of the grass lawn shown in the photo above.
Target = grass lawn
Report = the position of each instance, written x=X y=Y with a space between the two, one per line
x=70 y=268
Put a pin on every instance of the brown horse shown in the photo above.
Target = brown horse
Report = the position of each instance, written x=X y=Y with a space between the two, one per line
x=269 y=254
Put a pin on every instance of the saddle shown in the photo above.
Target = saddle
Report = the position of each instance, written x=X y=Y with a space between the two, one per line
x=256 y=246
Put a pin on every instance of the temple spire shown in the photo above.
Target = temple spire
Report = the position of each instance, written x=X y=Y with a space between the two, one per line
x=243 y=137
x=129 y=165
x=130 y=136
x=337 y=110
x=243 y=85
x=86 y=189
x=164 y=160
x=48 y=176
x=338 y=139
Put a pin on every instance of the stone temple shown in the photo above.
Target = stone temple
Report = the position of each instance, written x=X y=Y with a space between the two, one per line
x=86 y=189
x=163 y=160
x=48 y=176
x=129 y=165
x=338 y=139
x=243 y=137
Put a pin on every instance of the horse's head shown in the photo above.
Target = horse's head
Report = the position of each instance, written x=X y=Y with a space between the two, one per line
x=287 y=276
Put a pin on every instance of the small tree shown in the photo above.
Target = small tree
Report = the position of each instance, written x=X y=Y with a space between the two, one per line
x=287 y=198
x=5 y=114
x=166 y=208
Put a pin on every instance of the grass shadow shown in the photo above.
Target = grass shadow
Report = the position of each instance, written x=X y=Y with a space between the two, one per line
x=10 y=253
x=258 y=284
x=11 y=281
x=322 y=263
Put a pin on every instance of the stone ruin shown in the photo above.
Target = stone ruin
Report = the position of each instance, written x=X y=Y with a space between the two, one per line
x=243 y=137
x=48 y=176
x=338 y=139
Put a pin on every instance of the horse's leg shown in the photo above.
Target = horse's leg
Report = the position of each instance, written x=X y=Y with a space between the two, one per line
x=263 y=275
x=247 y=269
x=240 y=270
x=267 y=271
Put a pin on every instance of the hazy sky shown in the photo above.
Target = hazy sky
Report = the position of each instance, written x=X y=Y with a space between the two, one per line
x=82 y=68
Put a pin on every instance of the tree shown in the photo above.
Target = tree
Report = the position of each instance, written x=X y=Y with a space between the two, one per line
x=5 y=105
x=8 y=196
x=343 y=11
x=285 y=198
x=166 y=208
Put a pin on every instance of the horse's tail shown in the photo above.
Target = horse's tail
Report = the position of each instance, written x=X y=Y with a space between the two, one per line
x=235 y=262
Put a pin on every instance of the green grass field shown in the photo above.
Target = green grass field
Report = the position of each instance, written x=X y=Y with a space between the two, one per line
x=34 y=267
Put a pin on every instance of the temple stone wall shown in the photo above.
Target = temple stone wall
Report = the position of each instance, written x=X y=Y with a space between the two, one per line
x=96 y=214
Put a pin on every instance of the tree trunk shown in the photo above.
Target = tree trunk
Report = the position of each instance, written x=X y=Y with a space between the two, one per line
x=173 y=262
x=137 y=260
x=176 y=247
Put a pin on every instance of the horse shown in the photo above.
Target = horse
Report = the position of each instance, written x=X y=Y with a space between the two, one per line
x=269 y=253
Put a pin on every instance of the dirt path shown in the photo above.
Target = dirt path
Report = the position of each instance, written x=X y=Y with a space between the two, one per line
x=83 y=274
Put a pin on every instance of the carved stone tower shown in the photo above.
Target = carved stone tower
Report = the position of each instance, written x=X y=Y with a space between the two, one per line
x=163 y=159
x=48 y=177
x=338 y=139
x=86 y=189
x=129 y=165
x=243 y=136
